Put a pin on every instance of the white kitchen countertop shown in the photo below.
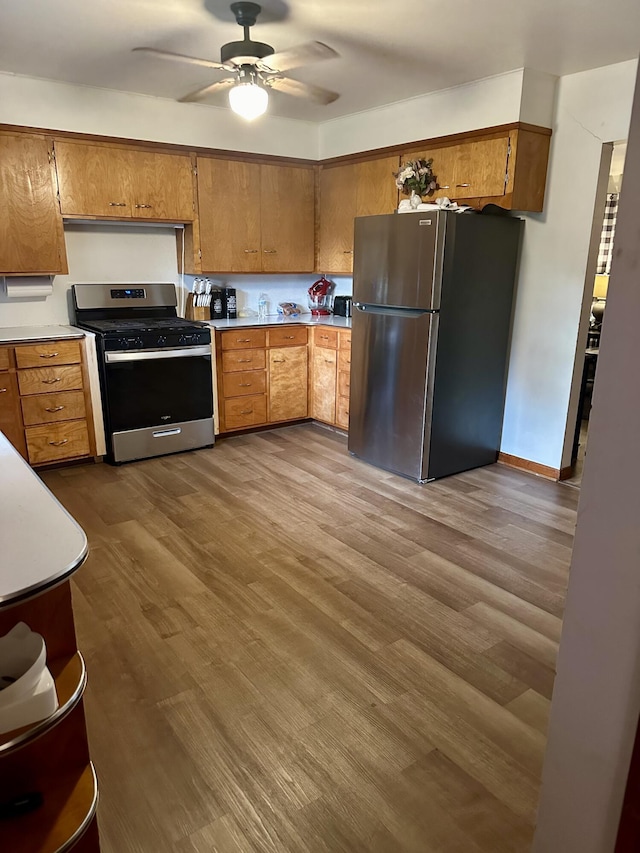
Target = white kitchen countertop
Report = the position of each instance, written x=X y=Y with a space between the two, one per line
x=40 y=543
x=22 y=334
x=279 y=320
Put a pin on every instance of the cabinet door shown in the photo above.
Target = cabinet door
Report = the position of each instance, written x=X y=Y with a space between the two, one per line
x=94 y=181
x=337 y=212
x=162 y=186
x=10 y=413
x=443 y=168
x=229 y=213
x=288 y=216
x=376 y=190
x=287 y=383
x=31 y=237
x=323 y=383
x=481 y=168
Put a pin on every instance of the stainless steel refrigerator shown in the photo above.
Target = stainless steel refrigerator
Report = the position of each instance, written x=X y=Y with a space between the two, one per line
x=432 y=303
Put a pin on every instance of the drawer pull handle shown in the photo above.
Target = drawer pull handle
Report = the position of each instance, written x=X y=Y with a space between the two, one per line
x=463 y=185
x=251 y=251
x=54 y=409
x=3 y=390
x=246 y=412
x=328 y=361
x=270 y=251
x=444 y=187
x=117 y=204
x=289 y=337
x=49 y=354
x=244 y=384
x=348 y=252
x=278 y=360
x=51 y=381
x=243 y=340
x=245 y=360
x=161 y=433
x=145 y=206
x=59 y=443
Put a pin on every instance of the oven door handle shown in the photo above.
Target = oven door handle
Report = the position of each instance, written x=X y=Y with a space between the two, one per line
x=154 y=355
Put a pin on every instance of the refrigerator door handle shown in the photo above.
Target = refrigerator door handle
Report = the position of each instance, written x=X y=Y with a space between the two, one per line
x=393 y=311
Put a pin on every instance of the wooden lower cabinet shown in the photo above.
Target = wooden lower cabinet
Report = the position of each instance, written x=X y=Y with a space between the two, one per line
x=243 y=412
x=330 y=378
x=323 y=383
x=45 y=412
x=288 y=383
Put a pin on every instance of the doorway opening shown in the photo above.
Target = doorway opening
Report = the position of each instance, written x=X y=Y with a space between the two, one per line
x=595 y=300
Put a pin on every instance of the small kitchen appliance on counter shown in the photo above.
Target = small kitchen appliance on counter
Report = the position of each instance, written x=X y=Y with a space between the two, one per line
x=155 y=369
x=320 y=297
x=342 y=306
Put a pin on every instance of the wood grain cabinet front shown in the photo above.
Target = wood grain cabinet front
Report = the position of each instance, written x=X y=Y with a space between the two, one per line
x=323 y=384
x=115 y=182
x=31 y=234
x=288 y=387
x=243 y=412
x=10 y=415
x=39 y=380
x=53 y=442
x=49 y=353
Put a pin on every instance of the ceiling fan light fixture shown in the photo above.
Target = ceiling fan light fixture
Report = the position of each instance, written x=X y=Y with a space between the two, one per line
x=248 y=100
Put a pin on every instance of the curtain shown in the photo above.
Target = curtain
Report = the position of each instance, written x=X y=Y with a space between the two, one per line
x=608 y=233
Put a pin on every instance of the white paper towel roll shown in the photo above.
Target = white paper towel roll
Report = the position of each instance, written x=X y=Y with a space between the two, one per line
x=30 y=287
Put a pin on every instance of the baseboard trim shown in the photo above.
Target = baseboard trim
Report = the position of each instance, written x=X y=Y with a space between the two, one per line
x=532 y=467
x=566 y=473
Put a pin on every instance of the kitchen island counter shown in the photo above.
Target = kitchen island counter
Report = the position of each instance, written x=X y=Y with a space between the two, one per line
x=41 y=543
x=25 y=334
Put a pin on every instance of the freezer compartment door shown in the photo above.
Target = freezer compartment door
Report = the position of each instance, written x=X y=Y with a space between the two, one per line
x=388 y=405
x=398 y=259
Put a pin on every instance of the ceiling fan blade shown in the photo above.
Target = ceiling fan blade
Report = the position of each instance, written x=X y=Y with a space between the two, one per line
x=180 y=57
x=200 y=94
x=295 y=57
x=303 y=90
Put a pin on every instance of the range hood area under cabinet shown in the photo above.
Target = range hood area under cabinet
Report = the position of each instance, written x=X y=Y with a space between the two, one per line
x=242 y=213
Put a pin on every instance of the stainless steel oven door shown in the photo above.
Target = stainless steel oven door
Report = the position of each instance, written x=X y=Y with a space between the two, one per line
x=156 y=390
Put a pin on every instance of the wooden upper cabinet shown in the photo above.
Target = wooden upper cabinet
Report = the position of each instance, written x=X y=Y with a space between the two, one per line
x=255 y=217
x=481 y=168
x=376 y=190
x=162 y=186
x=31 y=236
x=337 y=209
x=229 y=214
x=123 y=183
x=355 y=189
x=287 y=218
x=94 y=180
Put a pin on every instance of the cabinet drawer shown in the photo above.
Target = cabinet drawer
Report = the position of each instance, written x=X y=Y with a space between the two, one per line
x=48 y=379
x=324 y=337
x=52 y=442
x=5 y=358
x=342 y=412
x=344 y=360
x=344 y=340
x=245 y=412
x=287 y=336
x=344 y=383
x=243 y=339
x=49 y=352
x=254 y=359
x=48 y=408
x=242 y=383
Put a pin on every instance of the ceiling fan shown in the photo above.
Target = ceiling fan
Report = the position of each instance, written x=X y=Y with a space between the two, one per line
x=256 y=68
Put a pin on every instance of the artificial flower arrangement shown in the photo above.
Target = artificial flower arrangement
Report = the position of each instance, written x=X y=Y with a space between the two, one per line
x=416 y=177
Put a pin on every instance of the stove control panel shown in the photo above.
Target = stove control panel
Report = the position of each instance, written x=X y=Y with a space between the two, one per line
x=128 y=293
x=130 y=343
x=156 y=340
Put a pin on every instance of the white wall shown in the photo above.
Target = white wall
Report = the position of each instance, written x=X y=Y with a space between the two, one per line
x=98 y=253
x=593 y=107
x=596 y=698
x=483 y=103
x=84 y=109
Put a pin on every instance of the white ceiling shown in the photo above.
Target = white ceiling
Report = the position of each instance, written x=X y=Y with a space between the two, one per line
x=389 y=49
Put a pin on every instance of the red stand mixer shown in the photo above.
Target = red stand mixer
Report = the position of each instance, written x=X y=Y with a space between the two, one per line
x=320 y=297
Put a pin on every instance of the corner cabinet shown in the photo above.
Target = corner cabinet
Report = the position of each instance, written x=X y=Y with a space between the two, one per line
x=330 y=376
x=112 y=182
x=507 y=168
x=253 y=217
x=31 y=235
x=347 y=191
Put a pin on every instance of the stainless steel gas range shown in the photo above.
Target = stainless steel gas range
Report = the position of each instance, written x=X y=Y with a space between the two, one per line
x=155 y=369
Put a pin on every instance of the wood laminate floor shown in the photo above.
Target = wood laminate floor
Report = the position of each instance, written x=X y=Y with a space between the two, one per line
x=289 y=650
